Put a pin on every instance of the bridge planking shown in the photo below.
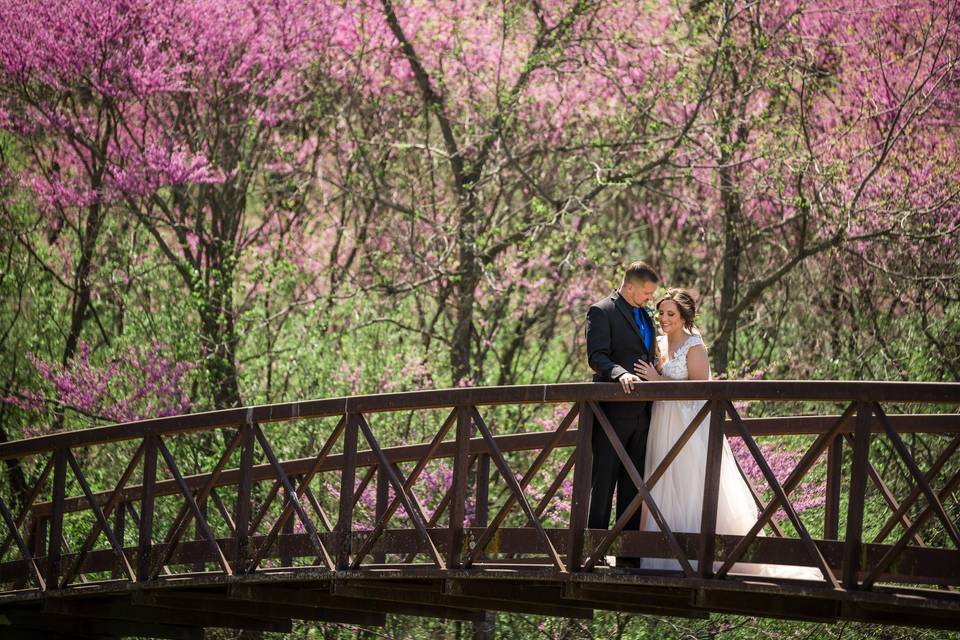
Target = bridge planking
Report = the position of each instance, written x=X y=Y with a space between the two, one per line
x=514 y=556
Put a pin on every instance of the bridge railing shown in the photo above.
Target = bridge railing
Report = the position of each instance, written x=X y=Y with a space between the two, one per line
x=478 y=496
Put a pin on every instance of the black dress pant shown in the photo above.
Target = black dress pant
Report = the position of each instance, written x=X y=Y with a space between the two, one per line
x=608 y=472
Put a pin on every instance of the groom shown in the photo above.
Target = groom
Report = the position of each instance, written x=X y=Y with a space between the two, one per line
x=619 y=333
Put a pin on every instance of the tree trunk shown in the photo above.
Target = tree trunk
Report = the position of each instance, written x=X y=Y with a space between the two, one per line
x=468 y=275
x=82 y=293
x=730 y=199
x=732 y=131
x=487 y=629
x=219 y=340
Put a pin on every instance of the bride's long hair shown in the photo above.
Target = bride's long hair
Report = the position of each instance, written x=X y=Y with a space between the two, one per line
x=687 y=307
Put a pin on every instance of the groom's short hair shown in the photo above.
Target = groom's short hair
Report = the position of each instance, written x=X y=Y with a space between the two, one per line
x=640 y=271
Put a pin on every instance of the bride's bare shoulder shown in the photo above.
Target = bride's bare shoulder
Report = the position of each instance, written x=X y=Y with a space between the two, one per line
x=698 y=364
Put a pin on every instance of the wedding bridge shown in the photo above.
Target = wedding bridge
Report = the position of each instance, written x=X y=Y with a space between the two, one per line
x=206 y=527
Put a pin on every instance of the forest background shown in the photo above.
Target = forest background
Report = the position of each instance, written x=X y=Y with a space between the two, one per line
x=214 y=203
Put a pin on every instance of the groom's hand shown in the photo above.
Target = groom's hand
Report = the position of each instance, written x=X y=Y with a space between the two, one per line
x=627 y=381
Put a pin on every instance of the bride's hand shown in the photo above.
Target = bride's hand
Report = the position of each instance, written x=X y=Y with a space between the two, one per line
x=647 y=371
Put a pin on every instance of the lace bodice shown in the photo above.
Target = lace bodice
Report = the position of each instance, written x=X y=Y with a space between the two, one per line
x=676 y=367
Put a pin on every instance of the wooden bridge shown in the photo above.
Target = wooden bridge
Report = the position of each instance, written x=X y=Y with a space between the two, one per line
x=206 y=527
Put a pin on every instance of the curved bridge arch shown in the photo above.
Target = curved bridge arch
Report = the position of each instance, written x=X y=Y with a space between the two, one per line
x=250 y=541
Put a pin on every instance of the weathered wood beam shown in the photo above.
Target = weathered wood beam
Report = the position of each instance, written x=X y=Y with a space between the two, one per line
x=47 y=622
x=437 y=598
x=187 y=614
x=216 y=604
x=313 y=598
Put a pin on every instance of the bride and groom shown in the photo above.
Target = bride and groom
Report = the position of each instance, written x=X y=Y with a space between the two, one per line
x=623 y=346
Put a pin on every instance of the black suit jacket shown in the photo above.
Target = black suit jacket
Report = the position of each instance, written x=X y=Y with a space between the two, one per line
x=614 y=344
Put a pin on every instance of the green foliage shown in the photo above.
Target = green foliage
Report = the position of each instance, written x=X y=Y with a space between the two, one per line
x=622 y=627
x=291 y=314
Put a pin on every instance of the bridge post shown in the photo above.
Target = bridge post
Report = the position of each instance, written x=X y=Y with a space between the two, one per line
x=244 y=505
x=481 y=513
x=286 y=560
x=145 y=540
x=380 y=507
x=711 y=490
x=38 y=536
x=831 y=510
x=119 y=525
x=858 y=488
x=202 y=503
x=582 y=474
x=348 y=478
x=458 y=492
x=54 y=553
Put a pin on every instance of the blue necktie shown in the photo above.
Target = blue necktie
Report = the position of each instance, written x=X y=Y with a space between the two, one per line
x=644 y=332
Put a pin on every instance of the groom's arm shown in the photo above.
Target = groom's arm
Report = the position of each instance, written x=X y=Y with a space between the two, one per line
x=599 y=345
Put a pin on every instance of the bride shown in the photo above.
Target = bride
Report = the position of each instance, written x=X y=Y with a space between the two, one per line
x=679 y=492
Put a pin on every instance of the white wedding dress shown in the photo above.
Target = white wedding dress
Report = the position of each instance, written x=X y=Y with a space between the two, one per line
x=679 y=492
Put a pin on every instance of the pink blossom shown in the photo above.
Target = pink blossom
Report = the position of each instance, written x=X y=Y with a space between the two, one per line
x=136 y=385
